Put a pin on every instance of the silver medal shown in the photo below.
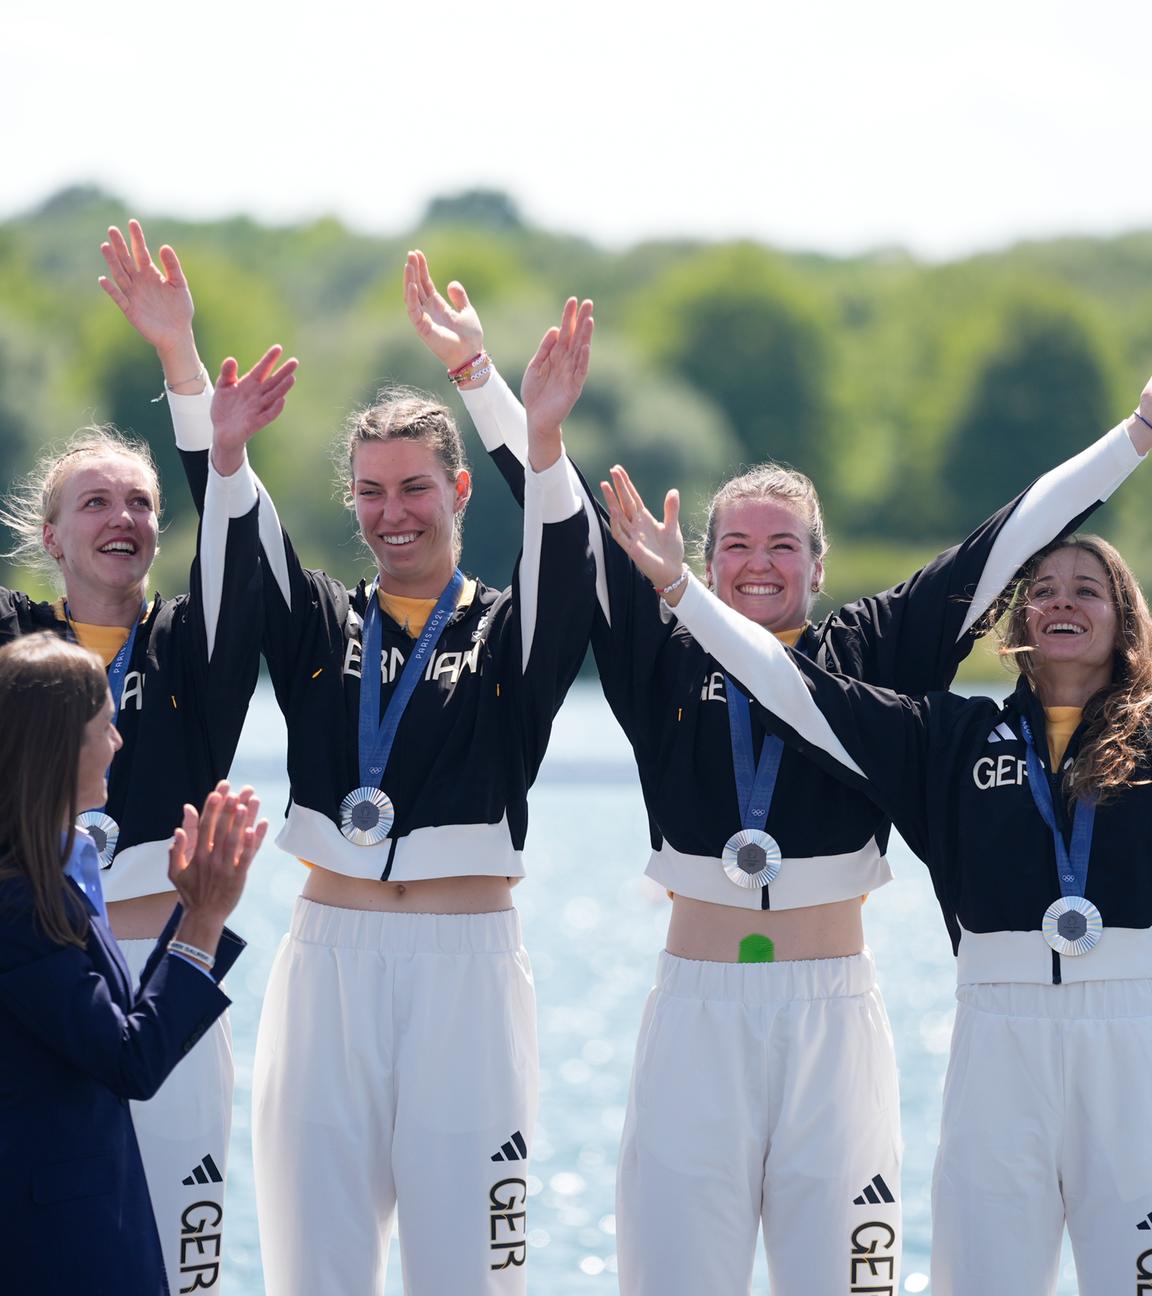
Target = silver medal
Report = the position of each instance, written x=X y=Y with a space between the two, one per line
x=366 y=816
x=104 y=831
x=1072 y=925
x=751 y=858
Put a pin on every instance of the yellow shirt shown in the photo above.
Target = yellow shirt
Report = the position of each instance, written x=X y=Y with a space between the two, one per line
x=412 y=614
x=104 y=641
x=1062 y=722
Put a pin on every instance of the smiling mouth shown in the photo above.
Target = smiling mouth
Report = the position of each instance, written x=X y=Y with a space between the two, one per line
x=750 y=588
x=1064 y=628
x=405 y=539
x=126 y=547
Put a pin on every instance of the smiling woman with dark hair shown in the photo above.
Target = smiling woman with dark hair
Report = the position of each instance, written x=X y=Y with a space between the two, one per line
x=76 y=1039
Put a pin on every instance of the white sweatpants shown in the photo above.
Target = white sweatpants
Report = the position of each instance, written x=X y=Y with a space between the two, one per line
x=183 y=1135
x=1047 y=1120
x=396 y=1068
x=762 y=1093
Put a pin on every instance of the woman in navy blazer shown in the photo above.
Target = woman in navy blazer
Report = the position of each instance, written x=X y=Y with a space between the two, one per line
x=76 y=1039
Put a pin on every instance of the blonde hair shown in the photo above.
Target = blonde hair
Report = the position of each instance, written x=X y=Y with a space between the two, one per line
x=35 y=499
x=1119 y=716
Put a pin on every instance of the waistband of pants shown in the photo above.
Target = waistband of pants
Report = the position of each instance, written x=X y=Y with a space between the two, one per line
x=1123 y=954
x=405 y=933
x=1080 y=1001
x=766 y=982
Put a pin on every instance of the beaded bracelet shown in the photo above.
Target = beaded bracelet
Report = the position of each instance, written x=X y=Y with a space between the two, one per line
x=671 y=589
x=480 y=366
x=193 y=952
x=466 y=365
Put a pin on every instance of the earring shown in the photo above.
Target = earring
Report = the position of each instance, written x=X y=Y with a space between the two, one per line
x=816 y=588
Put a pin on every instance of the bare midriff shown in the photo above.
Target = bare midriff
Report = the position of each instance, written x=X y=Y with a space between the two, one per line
x=447 y=895
x=142 y=917
x=712 y=933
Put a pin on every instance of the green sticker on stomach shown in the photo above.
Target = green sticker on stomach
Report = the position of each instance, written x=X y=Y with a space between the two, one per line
x=757 y=949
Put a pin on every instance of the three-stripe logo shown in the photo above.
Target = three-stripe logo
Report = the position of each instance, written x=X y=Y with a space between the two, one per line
x=874 y=1193
x=1145 y=1224
x=205 y=1172
x=514 y=1150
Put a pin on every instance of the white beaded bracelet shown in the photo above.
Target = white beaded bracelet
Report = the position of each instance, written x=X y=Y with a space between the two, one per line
x=671 y=589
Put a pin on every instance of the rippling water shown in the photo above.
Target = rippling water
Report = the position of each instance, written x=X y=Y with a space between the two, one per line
x=593 y=927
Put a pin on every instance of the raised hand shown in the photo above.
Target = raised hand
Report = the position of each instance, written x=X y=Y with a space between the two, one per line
x=209 y=858
x=1140 y=424
x=242 y=406
x=156 y=300
x=450 y=329
x=554 y=380
x=657 y=548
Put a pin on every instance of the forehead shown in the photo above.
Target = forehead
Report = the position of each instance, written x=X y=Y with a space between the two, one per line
x=1072 y=564
x=395 y=459
x=107 y=472
x=761 y=518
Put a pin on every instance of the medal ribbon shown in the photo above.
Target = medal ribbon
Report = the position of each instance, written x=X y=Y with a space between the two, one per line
x=1071 y=863
x=117 y=668
x=754 y=786
x=378 y=733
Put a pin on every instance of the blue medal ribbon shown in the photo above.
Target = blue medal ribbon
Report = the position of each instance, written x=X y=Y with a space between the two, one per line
x=377 y=733
x=117 y=668
x=1071 y=862
x=755 y=784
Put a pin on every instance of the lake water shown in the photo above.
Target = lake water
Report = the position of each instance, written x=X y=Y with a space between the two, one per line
x=593 y=927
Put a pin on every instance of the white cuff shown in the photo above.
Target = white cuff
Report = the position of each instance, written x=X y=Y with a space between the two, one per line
x=192 y=419
x=554 y=491
x=498 y=416
x=235 y=494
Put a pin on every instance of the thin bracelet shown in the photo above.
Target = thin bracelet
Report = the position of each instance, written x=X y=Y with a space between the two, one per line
x=1142 y=418
x=193 y=952
x=466 y=365
x=171 y=387
x=671 y=589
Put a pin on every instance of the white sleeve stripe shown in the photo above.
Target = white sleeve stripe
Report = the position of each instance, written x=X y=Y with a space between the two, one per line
x=224 y=499
x=761 y=663
x=499 y=417
x=192 y=419
x=272 y=544
x=1075 y=485
x=529 y=591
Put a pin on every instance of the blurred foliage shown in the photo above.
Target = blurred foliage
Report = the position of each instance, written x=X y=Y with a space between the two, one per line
x=920 y=397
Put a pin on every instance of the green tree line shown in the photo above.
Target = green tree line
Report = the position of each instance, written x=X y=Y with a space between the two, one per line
x=918 y=396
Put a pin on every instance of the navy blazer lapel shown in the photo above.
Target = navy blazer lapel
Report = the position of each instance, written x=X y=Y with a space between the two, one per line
x=101 y=934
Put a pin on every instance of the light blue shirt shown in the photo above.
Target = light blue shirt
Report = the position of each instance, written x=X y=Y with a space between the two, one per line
x=83 y=867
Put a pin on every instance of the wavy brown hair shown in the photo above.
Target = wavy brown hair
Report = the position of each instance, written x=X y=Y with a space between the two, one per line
x=1119 y=717
x=49 y=690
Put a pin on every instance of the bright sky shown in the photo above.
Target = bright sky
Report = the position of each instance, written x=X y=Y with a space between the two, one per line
x=834 y=125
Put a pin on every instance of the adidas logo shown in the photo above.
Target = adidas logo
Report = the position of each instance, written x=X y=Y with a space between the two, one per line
x=1002 y=734
x=514 y=1150
x=205 y=1172
x=1145 y=1224
x=874 y=1193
